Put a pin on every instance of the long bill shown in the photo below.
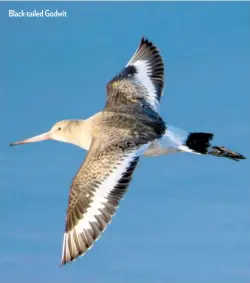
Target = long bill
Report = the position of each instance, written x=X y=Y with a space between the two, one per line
x=42 y=137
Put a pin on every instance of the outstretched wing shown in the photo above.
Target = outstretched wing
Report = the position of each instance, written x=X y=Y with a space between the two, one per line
x=95 y=194
x=142 y=80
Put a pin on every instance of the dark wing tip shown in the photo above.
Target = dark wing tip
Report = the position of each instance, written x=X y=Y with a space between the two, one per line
x=148 y=44
x=147 y=49
x=145 y=40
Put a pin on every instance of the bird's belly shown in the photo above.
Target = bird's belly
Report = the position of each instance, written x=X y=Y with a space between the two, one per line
x=157 y=148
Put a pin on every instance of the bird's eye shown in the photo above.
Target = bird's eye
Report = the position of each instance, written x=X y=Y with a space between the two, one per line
x=59 y=128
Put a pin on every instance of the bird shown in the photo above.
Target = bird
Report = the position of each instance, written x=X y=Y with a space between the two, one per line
x=128 y=127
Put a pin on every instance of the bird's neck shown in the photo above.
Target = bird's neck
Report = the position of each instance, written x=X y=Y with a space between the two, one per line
x=81 y=134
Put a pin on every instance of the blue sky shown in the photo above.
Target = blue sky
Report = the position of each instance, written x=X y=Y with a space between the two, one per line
x=185 y=218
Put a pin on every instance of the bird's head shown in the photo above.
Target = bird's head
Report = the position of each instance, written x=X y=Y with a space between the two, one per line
x=58 y=132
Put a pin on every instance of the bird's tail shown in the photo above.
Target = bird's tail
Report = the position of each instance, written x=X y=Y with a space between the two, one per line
x=221 y=151
x=176 y=140
x=201 y=143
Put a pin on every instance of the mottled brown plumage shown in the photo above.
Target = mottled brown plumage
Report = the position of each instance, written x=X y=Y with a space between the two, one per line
x=117 y=138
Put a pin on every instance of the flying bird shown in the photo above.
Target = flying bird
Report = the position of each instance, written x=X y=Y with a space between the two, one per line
x=129 y=126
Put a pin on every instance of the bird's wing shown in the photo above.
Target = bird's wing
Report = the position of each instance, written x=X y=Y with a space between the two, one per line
x=95 y=193
x=142 y=80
